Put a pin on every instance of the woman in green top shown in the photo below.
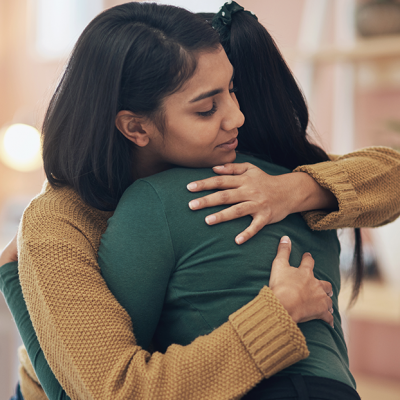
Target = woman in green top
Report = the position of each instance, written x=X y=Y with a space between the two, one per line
x=177 y=277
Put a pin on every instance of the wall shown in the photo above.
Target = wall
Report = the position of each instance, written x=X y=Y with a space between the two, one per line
x=27 y=82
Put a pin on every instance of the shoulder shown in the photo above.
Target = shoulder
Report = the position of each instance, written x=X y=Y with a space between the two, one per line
x=168 y=184
x=56 y=209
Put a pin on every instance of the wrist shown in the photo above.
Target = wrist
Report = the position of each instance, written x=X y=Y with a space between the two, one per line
x=310 y=195
x=286 y=298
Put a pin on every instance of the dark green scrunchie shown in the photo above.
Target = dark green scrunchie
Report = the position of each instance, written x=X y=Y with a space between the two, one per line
x=223 y=19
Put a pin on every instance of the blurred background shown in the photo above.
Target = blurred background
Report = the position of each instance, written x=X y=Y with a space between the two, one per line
x=346 y=56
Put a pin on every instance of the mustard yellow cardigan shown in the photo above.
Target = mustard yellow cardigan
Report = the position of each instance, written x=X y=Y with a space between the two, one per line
x=88 y=338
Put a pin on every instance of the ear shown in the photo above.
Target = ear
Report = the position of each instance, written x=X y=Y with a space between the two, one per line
x=134 y=128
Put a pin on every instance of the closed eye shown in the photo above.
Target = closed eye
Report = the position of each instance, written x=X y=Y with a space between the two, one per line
x=209 y=112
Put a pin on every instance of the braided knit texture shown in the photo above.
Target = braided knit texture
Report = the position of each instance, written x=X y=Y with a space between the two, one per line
x=87 y=337
x=366 y=184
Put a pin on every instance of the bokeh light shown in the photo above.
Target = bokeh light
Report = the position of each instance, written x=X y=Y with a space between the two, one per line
x=20 y=147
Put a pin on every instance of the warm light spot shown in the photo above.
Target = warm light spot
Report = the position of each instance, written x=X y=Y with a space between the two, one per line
x=20 y=147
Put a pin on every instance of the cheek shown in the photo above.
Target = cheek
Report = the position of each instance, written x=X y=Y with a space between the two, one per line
x=199 y=135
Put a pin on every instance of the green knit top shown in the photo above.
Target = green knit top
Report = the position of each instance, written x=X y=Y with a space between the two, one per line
x=179 y=278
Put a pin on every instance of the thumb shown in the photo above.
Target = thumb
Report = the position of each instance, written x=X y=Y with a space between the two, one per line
x=284 y=249
x=231 y=169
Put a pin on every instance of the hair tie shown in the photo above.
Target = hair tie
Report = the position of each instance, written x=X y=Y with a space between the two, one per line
x=222 y=21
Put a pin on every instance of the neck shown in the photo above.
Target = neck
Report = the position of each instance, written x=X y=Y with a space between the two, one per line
x=145 y=165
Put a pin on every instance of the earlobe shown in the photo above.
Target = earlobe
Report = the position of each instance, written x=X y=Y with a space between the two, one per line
x=132 y=127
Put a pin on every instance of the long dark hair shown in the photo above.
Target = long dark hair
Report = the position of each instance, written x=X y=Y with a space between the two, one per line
x=274 y=106
x=129 y=57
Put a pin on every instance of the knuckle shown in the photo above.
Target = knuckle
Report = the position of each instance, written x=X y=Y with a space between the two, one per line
x=257 y=224
x=253 y=193
x=224 y=196
x=218 y=180
x=203 y=202
x=268 y=214
x=239 y=210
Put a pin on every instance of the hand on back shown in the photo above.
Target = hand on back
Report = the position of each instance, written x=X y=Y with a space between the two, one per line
x=267 y=198
x=303 y=296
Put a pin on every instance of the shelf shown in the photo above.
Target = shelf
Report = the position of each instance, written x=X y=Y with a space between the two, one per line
x=376 y=48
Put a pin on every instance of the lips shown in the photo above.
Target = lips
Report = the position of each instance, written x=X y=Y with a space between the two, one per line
x=230 y=141
x=229 y=145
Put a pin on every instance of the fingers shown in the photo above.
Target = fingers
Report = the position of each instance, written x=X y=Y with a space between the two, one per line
x=307 y=262
x=232 y=169
x=284 y=249
x=327 y=286
x=221 y=182
x=215 y=182
x=217 y=199
x=233 y=212
x=326 y=304
x=256 y=225
x=328 y=317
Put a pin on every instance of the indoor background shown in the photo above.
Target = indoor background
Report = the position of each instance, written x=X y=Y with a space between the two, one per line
x=346 y=56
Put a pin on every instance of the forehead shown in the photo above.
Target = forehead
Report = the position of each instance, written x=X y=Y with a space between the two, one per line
x=214 y=71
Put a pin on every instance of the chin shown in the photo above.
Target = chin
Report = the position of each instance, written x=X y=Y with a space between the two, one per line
x=227 y=158
x=212 y=162
x=232 y=158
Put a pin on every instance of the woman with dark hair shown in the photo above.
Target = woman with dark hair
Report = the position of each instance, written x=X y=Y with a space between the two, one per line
x=128 y=63
x=86 y=335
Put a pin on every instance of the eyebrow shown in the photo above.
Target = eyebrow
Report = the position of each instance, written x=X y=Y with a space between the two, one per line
x=211 y=92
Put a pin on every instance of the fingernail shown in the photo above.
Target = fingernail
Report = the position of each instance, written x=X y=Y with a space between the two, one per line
x=219 y=167
x=285 y=239
x=193 y=204
x=192 y=186
x=239 y=240
x=330 y=294
x=331 y=310
x=210 y=219
x=308 y=254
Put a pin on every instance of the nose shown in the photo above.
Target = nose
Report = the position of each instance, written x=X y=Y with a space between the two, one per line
x=234 y=118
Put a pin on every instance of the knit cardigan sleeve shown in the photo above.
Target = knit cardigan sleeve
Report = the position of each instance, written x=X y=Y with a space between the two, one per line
x=87 y=337
x=366 y=184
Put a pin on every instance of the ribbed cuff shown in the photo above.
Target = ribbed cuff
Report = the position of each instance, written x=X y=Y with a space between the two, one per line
x=270 y=335
x=332 y=176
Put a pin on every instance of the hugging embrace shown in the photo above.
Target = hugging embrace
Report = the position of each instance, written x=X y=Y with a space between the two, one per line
x=124 y=291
